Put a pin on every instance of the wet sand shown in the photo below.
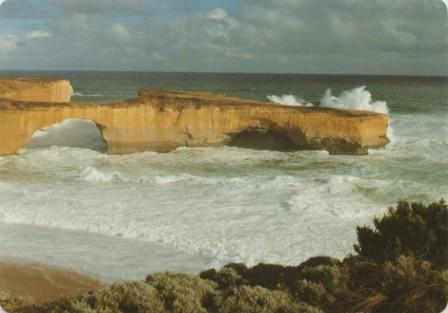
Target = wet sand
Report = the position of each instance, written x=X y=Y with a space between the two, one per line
x=43 y=283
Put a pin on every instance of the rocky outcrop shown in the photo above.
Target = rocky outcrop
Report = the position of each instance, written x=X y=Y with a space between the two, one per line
x=36 y=89
x=165 y=120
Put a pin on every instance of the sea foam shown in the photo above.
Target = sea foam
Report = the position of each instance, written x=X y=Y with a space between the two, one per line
x=289 y=100
x=80 y=94
x=355 y=99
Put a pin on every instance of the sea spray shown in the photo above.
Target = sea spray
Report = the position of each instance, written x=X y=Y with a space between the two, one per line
x=289 y=100
x=355 y=99
x=91 y=174
x=80 y=94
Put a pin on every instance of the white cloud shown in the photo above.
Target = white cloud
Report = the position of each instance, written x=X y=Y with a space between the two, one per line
x=2 y=1
x=36 y=34
x=446 y=3
x=8 y=43
x=120 y=32
x=217 y=14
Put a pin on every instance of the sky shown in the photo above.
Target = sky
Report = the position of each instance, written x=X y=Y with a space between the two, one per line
x=392 y=37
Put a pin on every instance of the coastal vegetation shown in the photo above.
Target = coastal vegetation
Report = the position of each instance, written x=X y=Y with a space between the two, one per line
x=400 y=265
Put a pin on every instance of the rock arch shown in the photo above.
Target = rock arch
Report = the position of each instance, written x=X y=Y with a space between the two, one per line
x=165 y=120
x=263 y=139
x=75 y=133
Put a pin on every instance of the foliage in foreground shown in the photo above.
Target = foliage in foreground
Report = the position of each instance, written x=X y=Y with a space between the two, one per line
x=401 y=266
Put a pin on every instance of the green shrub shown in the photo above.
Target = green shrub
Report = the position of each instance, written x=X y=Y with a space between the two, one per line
x=135 y=297
x=246 y=299
x=182 y=293
x=12 y=304
x=411 y=229
x=406 y=285
x=320 y=285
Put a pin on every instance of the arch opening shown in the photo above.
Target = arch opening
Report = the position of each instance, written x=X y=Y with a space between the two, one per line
x=263 y=139
x=73 y=133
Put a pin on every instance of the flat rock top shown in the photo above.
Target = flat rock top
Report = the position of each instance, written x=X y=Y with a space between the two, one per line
x=35 y=89
x=8 y=84
x=179 y=100
x=34 y=80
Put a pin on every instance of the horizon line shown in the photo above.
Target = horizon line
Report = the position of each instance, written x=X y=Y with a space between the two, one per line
x=230 y=72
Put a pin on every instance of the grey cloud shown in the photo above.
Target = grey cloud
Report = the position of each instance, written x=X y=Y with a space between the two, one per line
x=98 y=6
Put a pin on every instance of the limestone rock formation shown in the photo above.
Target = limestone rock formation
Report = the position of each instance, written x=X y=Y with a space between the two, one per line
x=165 y=120
x=36 y=89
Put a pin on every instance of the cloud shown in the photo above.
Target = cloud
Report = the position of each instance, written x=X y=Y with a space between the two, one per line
x=217 y=14
x=2 y=1
x=120 y=32
x=445 y=2
x=97 y=6
x=8 y=43
x=319 y=36
x=36 y=34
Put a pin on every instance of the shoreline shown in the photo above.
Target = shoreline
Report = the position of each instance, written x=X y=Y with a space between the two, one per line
x=41 y=283
x=391 y=271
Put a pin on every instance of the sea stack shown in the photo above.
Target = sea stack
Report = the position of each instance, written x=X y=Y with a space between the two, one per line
x=162 y=121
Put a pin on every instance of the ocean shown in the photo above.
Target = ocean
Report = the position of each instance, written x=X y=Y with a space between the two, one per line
x=64 y=202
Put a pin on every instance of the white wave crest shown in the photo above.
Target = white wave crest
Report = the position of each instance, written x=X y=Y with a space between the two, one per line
x=164 y=180
x=289 y=100
x=355 y=99
x=80 y=94
x=91 y=174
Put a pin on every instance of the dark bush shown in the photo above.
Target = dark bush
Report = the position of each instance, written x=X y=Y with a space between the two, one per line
x=406 y=285
x=411 y=229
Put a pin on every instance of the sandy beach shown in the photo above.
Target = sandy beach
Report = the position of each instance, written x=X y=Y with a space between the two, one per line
x=41 y=283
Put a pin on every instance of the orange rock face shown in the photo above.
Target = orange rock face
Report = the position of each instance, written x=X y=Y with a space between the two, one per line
x=33 y=89
x=165 y=120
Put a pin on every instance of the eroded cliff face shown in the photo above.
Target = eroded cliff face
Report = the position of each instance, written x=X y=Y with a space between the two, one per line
x=165 y=120
x=36 y=89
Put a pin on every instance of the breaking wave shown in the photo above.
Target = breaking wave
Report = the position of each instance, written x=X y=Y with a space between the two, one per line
x=356 y=99
x=92 y=174
x=289 y=100
x=80 y=94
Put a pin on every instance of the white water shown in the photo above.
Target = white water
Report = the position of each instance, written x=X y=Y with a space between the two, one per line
x=356 y=99
x=63 y=202
x=88 y=95
x=203 y=207
x=288 y=100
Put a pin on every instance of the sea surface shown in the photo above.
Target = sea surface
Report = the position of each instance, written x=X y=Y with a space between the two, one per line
x=64 y=202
